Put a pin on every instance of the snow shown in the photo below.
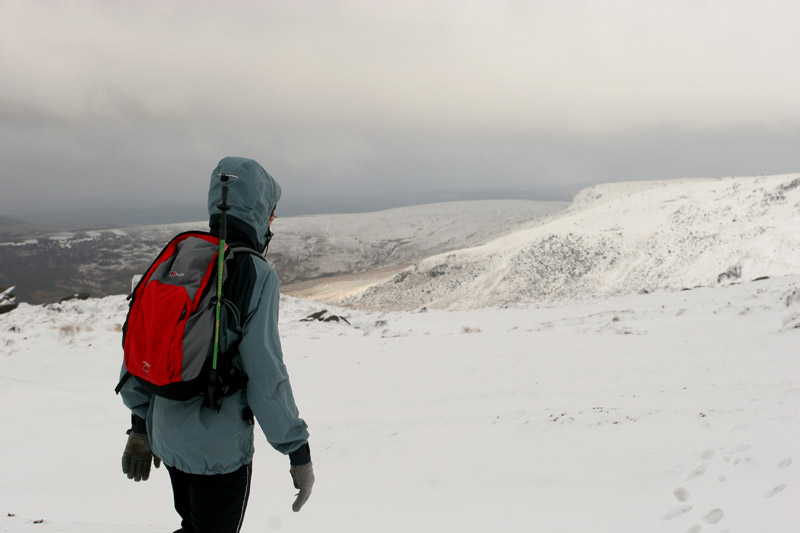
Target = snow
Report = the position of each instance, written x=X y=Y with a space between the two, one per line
x=28 y=242
x=333 y=244
x=669 y=411
x=339 y=247
x=61 y=236
x=616 y=238
x=572 y=386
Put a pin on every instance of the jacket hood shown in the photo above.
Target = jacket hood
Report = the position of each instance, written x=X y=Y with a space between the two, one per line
x=252 y=195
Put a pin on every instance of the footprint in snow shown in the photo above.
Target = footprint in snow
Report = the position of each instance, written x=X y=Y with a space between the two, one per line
x=775 y=490
x=681 y=494
x=786 y=463
x=708 y=455
x=696 y=473
x=675 y=512
x=714 y=516
x=694 y=529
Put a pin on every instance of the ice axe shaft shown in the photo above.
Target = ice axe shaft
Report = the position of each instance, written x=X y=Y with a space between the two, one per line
x=223 y=230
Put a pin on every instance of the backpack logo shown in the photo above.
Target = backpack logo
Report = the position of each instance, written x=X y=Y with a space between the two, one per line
x=175 y=274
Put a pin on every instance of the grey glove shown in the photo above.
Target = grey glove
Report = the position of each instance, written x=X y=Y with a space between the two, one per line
x=303 y=477
x=137 y=457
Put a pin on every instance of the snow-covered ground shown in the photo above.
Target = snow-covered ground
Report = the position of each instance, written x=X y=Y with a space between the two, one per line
x=674 y=411
x=617 y=238
x=616 y=402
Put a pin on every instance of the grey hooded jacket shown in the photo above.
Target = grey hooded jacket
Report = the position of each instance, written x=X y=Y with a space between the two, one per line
x=199 y=440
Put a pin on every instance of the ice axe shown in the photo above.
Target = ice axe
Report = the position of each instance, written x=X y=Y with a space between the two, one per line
x=212 y=392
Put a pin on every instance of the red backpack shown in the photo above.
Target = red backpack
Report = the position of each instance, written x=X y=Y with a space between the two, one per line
x=169 y=333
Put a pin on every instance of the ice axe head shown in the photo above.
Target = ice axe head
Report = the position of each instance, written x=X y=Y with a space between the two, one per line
x=224 y=207
x=225 y=178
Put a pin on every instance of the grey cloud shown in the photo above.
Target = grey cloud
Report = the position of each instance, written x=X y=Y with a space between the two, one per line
x=161 y=164
x=358 y=105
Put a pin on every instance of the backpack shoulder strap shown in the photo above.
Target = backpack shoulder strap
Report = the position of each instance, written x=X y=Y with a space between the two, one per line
x=244 y=249
x=240 y=307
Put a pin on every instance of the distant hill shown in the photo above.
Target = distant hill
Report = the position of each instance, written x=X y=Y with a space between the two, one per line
x=12 y=228
x=47 y=266
x=107 y=216
x=616 y=238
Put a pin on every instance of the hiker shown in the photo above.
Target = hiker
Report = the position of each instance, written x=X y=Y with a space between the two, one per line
x=208 y=453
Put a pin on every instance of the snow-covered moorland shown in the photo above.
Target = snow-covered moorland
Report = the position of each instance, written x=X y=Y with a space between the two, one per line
x=617 y=238
x=616 y=402
x=101 y=263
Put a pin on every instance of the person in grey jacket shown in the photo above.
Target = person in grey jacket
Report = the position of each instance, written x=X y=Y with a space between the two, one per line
x=208 y=454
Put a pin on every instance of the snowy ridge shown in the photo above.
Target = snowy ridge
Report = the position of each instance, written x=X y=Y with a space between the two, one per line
x=324 y=245
x=617 y=238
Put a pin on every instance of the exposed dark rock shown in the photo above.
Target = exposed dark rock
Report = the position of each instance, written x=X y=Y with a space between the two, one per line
x=399 y=278
x=336 y=318
x=795 y=183
x=320 y=316
x=314 y=316
x=734 y=272
x=8 y=301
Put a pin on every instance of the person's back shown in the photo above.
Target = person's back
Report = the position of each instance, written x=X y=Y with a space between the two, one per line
x=207 y=452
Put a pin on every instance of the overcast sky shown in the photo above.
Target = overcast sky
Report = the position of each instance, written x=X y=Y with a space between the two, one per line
x=357 y=105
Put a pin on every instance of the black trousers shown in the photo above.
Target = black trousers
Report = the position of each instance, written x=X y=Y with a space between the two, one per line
x=211 y=504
